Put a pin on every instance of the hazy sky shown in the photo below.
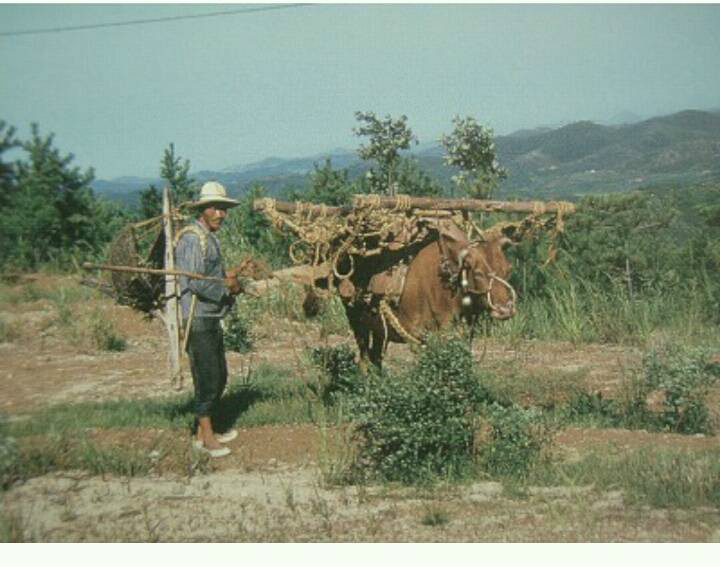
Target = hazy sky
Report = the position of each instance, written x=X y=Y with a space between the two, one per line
x=237 y=88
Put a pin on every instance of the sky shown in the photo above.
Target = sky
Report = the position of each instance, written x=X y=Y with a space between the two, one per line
x=286 y=80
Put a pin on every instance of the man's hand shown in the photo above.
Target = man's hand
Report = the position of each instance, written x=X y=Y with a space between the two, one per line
x=233 y=284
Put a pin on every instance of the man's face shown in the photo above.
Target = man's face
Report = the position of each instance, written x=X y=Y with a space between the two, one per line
x=213 y=216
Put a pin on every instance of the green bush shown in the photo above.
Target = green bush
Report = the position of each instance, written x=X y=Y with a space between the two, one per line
x=237 y=334
x=683 y=376
x=421 y=424
x=591 y=406
x=105 y=337
x=517 y=439
x=340 y=372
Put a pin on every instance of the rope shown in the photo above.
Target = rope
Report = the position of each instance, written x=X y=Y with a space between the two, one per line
x=387 y=312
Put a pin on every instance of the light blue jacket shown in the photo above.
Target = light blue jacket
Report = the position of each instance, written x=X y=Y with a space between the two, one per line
x=202 y=256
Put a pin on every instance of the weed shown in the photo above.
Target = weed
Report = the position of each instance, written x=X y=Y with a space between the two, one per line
x=671 y=479
x=9 y=458
x=658 y=477
x=587 y=406
x=9 y=331
x=435 y=517
x=516 y=440
x=12 y=526
x=237 y=334
x=683 y=376
x=104 y=336
x=340 y=374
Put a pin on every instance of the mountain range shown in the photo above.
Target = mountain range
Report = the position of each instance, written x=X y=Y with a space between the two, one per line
x=548 y=162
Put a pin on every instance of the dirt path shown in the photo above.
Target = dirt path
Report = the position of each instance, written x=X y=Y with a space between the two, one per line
x=271 y=488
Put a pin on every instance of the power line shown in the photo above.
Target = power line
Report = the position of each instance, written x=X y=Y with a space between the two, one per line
x=153 y=20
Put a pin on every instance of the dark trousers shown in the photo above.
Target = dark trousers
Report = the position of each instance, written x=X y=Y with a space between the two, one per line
x=206 y=351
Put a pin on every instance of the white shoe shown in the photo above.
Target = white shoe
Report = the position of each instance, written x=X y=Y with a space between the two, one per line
x=227 y=436
x=215 y=453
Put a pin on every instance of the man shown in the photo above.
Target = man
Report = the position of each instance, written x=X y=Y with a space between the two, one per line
x=204 y=303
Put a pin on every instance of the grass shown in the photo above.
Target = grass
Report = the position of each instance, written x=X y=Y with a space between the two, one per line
x=272 y=397
x=84 y=435
x=9 y=330
x=580 y=314
x=79 y=325
x=101 y=437
x=657 y=477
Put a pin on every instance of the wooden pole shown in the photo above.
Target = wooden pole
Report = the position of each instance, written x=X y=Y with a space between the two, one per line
x=403 y=202
x=134 y=270
x=172 y=305
x=479 y=205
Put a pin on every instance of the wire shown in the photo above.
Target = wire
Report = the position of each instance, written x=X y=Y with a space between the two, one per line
x=152 y=20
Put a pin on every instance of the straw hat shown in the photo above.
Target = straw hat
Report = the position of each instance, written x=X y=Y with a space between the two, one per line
x=213 y=192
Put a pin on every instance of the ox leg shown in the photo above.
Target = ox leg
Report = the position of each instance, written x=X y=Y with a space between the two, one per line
x=361 y=333
x=376 y=350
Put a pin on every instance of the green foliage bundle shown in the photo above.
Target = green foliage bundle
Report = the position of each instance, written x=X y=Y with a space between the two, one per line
x=421 y=424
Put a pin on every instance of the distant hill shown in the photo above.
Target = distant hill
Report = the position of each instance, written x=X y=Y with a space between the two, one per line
x=585 y=157
x=573 y=160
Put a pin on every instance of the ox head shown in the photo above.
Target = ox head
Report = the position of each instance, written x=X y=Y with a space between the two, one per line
x=482 y=272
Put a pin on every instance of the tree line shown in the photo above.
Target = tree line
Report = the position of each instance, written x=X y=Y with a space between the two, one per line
x=653 y=241
x=52 y=216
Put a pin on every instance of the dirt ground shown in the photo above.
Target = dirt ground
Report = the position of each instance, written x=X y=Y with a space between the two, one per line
x=270 y=489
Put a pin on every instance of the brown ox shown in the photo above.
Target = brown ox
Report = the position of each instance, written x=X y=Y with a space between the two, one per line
x=446 y=279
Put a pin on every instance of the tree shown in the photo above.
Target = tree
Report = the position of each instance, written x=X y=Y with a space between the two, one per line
x=7 y=172
x=471 y=149
x=150 y=202
x=52 y=207
x=329 y=186
x=387 y=138
x=182 y=187
x=414 y=181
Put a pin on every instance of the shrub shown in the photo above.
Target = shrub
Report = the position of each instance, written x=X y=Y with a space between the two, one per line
x=517 y=438
x=588 y=405
x=682 y=376
x=105 y=337
x=237 y=334
x=340 y=373
x=421 y=424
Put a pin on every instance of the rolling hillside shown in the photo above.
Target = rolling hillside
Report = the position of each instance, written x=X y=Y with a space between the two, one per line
x=573 y=160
